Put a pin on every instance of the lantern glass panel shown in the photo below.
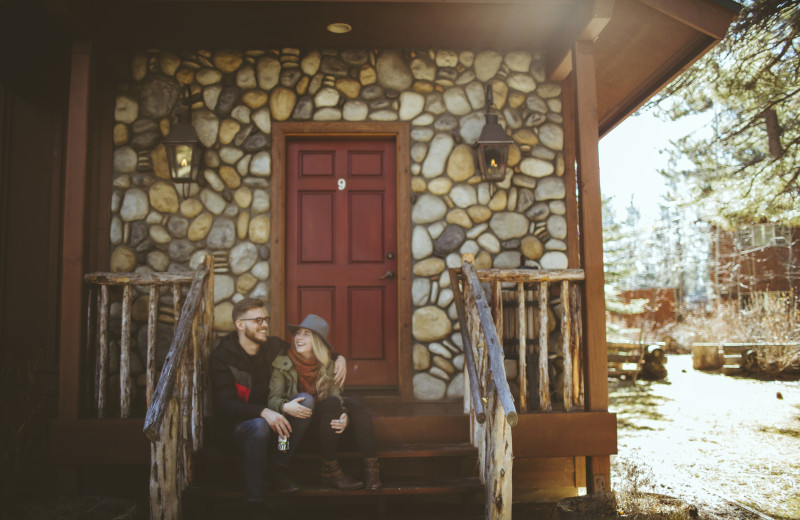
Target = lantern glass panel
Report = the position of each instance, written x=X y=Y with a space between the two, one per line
x=183 y=162
x=494 y=158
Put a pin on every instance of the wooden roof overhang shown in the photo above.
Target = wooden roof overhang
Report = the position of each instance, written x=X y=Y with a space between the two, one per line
x=640 y=45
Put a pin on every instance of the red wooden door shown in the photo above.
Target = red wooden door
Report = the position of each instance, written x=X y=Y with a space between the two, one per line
x=341 y=256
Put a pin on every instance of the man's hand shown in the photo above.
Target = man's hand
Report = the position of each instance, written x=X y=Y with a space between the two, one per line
x=339 y=425
x=277 y=422
x=295 y=409
x=339 y=371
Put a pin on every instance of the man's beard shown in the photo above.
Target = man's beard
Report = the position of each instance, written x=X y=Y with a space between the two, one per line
x=253 y=335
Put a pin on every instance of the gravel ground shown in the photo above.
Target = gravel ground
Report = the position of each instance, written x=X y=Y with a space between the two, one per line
x=729 y=445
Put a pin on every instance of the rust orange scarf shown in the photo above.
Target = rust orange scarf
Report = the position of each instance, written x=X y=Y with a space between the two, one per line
x=307 y=371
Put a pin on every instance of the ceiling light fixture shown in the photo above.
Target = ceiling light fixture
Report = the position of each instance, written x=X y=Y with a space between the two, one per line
x=340 y=28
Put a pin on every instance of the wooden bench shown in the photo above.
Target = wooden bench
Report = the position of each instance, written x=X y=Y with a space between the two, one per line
x=633 y=360
x=625 y=360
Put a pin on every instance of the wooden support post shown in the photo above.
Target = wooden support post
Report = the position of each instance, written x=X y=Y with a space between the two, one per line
x=102 y=354
x=566 y=347
x=152 y=338
x=544 y=372
x=523 y=348
x=72 y=231
x=124 y=355
x=598 y=468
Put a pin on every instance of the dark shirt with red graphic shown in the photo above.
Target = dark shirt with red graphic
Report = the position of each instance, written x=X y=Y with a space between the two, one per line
x=240 y=383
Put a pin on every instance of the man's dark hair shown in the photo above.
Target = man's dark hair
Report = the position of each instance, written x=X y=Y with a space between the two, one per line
x=245 y=305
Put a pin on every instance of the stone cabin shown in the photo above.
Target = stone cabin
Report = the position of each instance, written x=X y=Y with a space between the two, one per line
x=319 y=150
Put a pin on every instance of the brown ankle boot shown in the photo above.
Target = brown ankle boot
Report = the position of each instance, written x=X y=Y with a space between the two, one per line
x=372 y=474
x=333 y=476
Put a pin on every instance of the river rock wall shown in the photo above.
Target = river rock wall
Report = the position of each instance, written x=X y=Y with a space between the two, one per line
x=520 y=221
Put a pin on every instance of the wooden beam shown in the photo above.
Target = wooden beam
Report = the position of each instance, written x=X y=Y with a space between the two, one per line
x=597 y=16
x=570 y=144
x=545 y=435
x=705 y=16
x=72 y=230
x=596 y=383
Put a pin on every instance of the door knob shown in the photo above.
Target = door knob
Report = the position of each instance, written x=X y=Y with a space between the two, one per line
x=388 y=275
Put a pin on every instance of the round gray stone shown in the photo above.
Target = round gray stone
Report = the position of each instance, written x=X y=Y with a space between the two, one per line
x=550 y=188
x=554 y=260
x=421 y=244
x=508 y=260
x=393 y=71
x=507 y=225
x=428 y=387
x=222 y=234
x=450 y=240
x=427 y=209
x=242 y=257
x=440 y=149
x=159 y=93
x=135 y=205
x=557 y=227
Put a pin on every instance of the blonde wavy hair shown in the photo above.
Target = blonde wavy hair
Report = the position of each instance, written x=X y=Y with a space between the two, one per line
x=323 y=355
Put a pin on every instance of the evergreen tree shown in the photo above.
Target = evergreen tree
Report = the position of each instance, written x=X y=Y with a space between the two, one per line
x=747 y=168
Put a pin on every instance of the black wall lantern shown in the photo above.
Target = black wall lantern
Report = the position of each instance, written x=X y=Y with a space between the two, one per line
x=182 y=144
x=492 y=144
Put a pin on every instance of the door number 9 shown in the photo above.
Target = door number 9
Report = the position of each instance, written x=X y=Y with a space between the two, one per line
x=342 y=184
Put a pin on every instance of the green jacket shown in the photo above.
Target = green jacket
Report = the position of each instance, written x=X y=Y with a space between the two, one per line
x=283 y=383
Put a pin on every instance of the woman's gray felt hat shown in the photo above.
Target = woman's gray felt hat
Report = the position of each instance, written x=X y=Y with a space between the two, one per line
x=314 y=323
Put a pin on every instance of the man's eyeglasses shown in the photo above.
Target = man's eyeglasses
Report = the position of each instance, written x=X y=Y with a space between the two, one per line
x=259 y=321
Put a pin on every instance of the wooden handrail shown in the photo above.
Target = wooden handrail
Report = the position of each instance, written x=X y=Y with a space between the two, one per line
x=166 y=382
x=137 y=278
x=495 y=351
x=469 y=357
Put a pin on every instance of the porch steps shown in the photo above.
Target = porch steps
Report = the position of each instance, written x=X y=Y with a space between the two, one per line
x=428 y=469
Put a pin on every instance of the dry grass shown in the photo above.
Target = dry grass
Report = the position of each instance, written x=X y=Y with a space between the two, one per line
x=772 y=319
x=637 y=500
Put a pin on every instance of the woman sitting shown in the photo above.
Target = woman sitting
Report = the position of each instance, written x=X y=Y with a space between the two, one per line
x=302 y=389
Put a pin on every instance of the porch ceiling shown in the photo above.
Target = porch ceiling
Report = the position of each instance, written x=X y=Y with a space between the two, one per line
x=640 y=44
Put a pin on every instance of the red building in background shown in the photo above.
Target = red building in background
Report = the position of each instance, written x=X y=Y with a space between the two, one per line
x=755 y=258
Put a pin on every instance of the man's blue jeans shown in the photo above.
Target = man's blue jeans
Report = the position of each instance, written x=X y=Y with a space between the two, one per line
x=254 y=436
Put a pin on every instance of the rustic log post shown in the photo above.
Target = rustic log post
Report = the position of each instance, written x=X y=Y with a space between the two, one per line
x=176 y=306
x=577 y=349
x=544 y=375
x=124 y=355
x=102 y=353
x=497 y=311
x=499 y=481
x=522 y=348
x=566 y=347
x=91 y=316
x=152 y=338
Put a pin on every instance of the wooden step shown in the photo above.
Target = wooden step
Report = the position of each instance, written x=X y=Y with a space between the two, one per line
x=428 y=486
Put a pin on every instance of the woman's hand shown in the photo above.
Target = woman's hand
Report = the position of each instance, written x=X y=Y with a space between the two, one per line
x=295 y=409
x=339 y=371
x=339 y=425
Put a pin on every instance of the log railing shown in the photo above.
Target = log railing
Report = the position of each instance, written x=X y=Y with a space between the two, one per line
x=488 y=399
x=174 y=420
x=533 y=314
x=174 y=399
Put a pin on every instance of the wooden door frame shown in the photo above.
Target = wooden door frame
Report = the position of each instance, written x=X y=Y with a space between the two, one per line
x=399 y=131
